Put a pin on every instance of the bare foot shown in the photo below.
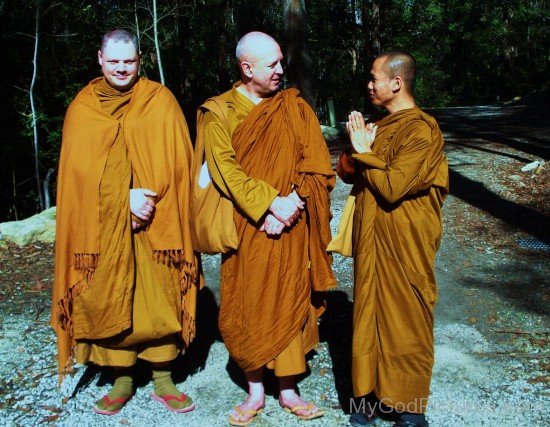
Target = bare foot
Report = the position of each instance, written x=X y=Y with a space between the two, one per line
x=247 y=410
x=290 y=399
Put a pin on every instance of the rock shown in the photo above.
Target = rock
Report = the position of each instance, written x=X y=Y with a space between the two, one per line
x=37 y=228
x=533 y=166
x=330 y=133
x=515 y=177
x=3 y=243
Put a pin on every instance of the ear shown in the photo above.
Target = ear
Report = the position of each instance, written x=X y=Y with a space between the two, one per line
x=396 y=84
x=246 y=68
x=99 y=58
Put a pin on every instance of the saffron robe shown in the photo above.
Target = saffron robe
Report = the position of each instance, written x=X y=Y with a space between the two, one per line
x=267 y=284
x=399 y=188
x=142 y=142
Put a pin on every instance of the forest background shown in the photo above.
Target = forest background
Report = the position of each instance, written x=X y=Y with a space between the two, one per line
x=468 y=52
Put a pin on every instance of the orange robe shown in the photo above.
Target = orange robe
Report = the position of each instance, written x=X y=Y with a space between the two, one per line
x=399 y=191
x=267 y=284
x=115 y=289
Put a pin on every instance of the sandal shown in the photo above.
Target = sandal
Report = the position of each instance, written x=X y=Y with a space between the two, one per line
x=112 y=407
x=234 y=422
x=169 y=397
x=317 y=414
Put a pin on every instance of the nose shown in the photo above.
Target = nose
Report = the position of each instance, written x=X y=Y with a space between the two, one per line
x=121 y=67
x=370 y=85
x=279 y=68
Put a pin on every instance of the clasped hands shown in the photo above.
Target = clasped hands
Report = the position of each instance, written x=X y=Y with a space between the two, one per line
x=283 y=212
x=360 y=134
x=142 y=206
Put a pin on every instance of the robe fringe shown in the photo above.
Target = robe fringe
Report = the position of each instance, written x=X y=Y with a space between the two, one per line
x=188 y=326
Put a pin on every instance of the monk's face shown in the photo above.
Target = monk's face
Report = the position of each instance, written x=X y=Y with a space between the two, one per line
x=119 y=64
x=265 y=69
x=381 y=85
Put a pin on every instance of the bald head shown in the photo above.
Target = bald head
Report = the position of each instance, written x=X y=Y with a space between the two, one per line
x=259 y=57
x=402 y=64
x=254 y=45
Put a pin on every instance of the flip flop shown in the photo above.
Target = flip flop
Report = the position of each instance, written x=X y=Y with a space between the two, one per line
x=317 y=414
x=168 y=397
x=234 y=422
x=108 y=402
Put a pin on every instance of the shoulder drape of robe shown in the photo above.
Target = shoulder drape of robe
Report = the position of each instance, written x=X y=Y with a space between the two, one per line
x=267 y=283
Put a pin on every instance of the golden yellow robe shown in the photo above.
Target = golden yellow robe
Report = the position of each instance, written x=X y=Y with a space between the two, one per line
x=396 y=233
x=266 y=311
x=118 y=294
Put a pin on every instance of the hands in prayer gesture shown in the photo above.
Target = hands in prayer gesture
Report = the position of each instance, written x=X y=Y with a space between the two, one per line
x=361 y=135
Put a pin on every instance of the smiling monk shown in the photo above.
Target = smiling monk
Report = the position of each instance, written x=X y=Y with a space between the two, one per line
x=125 y=273
x=266 y=153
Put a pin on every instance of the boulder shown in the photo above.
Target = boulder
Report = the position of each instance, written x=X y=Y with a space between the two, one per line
x=37 y=228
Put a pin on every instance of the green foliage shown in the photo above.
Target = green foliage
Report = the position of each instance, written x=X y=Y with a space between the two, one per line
x=468 y=51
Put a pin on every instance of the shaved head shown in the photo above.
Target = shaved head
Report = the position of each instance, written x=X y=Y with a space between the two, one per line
x=119 y=35
x=254 y=45
x=402 y=64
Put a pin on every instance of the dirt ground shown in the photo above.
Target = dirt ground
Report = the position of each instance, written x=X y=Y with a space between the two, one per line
x=492 y=324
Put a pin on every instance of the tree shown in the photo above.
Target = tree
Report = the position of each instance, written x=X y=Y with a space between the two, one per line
x=297 y=53
x=34 y=117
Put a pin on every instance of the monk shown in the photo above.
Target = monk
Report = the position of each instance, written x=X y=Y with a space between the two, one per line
x=125 y=273
x=265 y=152
x=400 y=177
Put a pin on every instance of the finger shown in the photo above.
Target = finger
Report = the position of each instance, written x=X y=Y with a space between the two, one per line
x=360 y=120
x=355 y=120
x=283 y=220
x=148 y=192
x=141 y=216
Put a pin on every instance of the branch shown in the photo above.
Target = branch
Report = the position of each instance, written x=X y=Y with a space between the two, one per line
x=20 y=88
x=21 y=34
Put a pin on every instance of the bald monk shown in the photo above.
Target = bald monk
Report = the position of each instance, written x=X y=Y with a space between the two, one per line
x=265 y=151
x=400 y=181
x=125 y=274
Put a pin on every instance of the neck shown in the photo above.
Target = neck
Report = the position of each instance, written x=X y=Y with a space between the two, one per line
x=399 y=104
x=250 y=93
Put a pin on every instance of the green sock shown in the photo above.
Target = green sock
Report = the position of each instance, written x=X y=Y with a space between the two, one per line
x=122 y=389
x=164 y=386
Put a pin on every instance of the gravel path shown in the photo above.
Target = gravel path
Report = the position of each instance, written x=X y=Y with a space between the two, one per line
x=492 y=365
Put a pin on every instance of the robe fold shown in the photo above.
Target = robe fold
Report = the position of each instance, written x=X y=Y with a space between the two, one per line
x=267 y=284
x=399 y=188
x=113 y=287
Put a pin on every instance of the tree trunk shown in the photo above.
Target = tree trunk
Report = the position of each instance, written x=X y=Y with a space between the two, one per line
x=33 y=109
x=138 y=34
x=297 y=54
x=370 y=19
x=157 y=46
x=46 y=185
